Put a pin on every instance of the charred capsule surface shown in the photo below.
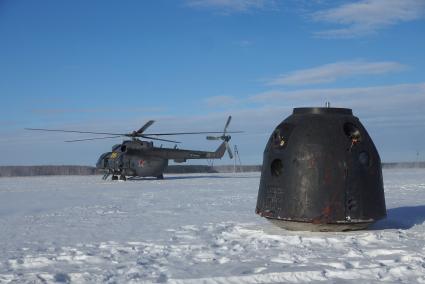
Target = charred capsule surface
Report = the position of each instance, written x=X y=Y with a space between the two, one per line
x=321 y=172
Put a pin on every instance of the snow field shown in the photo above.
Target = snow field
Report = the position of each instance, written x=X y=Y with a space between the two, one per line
x=195 y=229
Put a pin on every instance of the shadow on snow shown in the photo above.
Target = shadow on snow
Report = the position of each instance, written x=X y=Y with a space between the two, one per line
x=190 y=177
x=402 y=218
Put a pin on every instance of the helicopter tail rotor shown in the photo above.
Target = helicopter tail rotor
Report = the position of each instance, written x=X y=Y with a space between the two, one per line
x=229 y=150
x=227 y=124
x=224 y=137
x=213 y=138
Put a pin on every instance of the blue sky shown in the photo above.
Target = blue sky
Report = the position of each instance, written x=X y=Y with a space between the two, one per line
x=112 y=65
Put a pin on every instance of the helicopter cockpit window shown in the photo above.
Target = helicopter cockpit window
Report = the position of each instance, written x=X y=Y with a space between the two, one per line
x=116 y=147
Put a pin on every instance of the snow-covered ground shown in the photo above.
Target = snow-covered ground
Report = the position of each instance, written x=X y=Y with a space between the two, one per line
x=195 y=229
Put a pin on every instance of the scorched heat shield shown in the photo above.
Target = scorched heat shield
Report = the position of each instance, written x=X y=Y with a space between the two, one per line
x=321 y=171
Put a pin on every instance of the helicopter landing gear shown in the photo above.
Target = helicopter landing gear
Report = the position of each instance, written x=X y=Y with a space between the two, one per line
x=161 y=176
x=114 y=177
x=123 y=177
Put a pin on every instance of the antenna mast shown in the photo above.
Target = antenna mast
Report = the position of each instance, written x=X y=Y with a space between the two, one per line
x=237 y=159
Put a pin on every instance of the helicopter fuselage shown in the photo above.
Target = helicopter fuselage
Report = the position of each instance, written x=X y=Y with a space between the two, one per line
x=137 y=158
x=123 y=164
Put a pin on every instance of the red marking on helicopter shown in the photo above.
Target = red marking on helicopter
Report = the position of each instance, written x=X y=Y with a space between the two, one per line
x=141 y=163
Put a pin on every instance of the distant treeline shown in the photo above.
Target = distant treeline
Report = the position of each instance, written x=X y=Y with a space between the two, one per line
x=177 y=169
x=406 y=165
x=19 y=171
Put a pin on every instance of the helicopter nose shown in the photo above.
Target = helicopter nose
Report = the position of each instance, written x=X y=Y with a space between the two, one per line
x=101 y=162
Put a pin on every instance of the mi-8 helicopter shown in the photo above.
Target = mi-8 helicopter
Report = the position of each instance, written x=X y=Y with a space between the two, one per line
x=140 y=158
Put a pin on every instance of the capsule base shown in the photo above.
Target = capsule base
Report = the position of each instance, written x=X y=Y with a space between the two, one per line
x=328 y=227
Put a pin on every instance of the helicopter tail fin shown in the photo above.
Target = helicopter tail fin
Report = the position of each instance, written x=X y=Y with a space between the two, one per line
x=219 y=153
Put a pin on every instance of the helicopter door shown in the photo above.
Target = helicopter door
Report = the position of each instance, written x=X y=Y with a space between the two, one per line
x=126 y=164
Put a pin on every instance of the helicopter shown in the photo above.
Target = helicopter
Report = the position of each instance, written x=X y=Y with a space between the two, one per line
x=140 y=158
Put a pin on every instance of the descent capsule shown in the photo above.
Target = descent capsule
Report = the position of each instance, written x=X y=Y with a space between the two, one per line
x=321 y=172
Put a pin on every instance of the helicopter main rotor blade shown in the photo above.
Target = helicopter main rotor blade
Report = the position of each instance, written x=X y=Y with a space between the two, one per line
x=74 y=131
x=190 y=133
x=97 y=138
x=158 y=139
x=127 y=134
x=144 y=127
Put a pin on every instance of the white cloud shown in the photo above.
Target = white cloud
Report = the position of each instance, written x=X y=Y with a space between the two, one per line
x=405 y=99
x=243 y=43
x=387 y=91
x=384 y=110
x=231 y=6
x=331 y=72
x=368 y=16
x=61 y=111
x=220 y=101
